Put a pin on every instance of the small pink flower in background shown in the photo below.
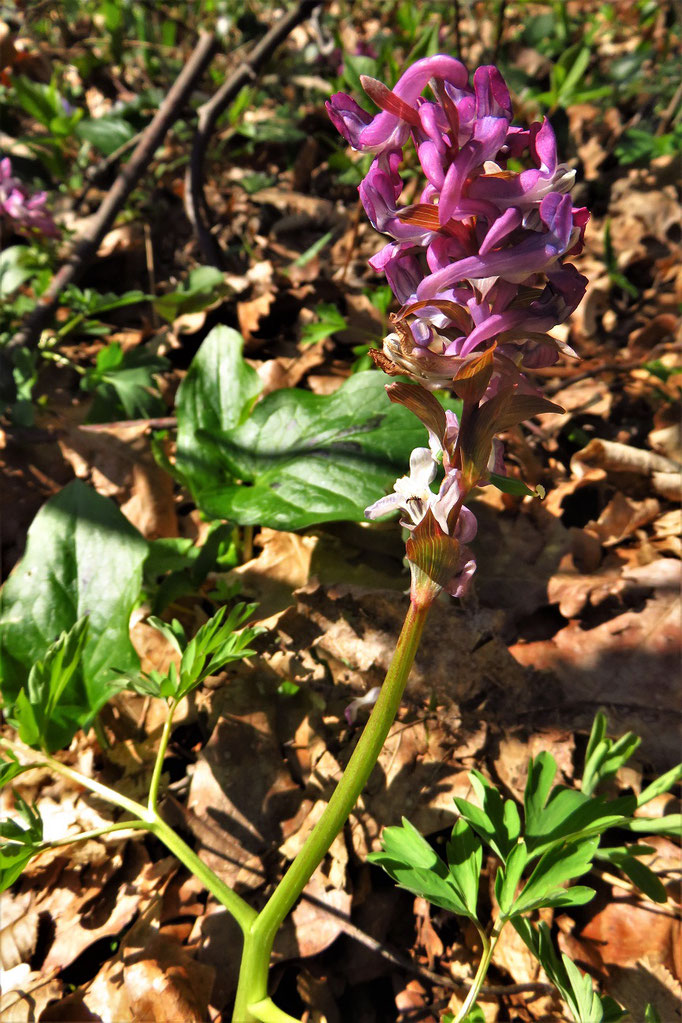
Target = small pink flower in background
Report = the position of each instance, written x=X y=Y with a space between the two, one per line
x=26 y=212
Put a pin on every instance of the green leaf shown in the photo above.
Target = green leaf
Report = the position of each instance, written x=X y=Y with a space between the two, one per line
x=498 y=821
x=508 y=877
x=216 y=395
x=18 y=263
x=660 y=785
x=668 y=825
x=40 y=716
x=11 y=768
x=205 y=285
x=509 y=485
x=408 y=858
x=19 y=843
x=567 y=813
x=584 y=1004
x=124 y=382
x=329 y=321
x=604 y=756
x=465 y=858
x=300 y=458
x=83 y=558
x=651 y=1015
x=37 y=99
x=561 y=863
x=639 y=873
x=105 y=133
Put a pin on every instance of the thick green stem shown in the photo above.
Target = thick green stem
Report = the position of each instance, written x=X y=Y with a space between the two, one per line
x=161 y=753
x=258 y=941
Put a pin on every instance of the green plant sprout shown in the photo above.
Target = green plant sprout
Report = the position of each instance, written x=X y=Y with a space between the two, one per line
x=555 y=839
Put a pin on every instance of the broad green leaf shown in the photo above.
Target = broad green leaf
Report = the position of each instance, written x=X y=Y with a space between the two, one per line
x=408 y=858
x=18 y=263
x=83 y=558
x=465 y=858
x=216 y=395
x=305 y=458
x=105 y=133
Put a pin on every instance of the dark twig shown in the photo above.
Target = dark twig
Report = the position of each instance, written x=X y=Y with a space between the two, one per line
x=499 y=29
x=458 y=35
x=195 y=198
x=87 y=244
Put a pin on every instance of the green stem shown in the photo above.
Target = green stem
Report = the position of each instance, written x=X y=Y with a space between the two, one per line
x=160 y=755
x=110 y=795
x=149 y=819
x=488 y=949
x=233 y=903
x=253 y=977
x=267 y=1012
x=84 y=836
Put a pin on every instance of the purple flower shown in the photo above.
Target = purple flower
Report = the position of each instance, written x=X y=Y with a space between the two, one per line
x=478 y=261
x=26 y=212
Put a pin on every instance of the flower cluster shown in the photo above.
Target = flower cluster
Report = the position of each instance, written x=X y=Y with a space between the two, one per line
x=26 y=212
x=477 y=263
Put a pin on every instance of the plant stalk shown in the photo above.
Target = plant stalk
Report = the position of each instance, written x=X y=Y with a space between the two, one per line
x=475 y=989
x=258 y=940
x=160 y=755
x=150 y=820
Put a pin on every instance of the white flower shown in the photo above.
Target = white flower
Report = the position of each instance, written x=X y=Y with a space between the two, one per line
x=412 y=494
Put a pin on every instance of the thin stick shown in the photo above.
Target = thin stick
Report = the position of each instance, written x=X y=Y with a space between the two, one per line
x=196 y=205
x=88 y=242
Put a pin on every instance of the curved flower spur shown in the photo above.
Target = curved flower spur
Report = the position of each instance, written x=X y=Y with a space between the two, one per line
x=478 y=265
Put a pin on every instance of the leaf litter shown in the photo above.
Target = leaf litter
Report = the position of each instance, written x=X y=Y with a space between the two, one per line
x=575 y=604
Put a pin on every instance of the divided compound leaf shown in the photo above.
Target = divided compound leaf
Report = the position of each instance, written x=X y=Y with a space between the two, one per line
x=584 y=1004
x=561 y=863
x=497 y=822
x=83 y=559
x=40 y=715
x=410 y=861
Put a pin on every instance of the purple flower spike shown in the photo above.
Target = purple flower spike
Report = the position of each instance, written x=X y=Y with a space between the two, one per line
x=478 y=263
x=26 y=212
